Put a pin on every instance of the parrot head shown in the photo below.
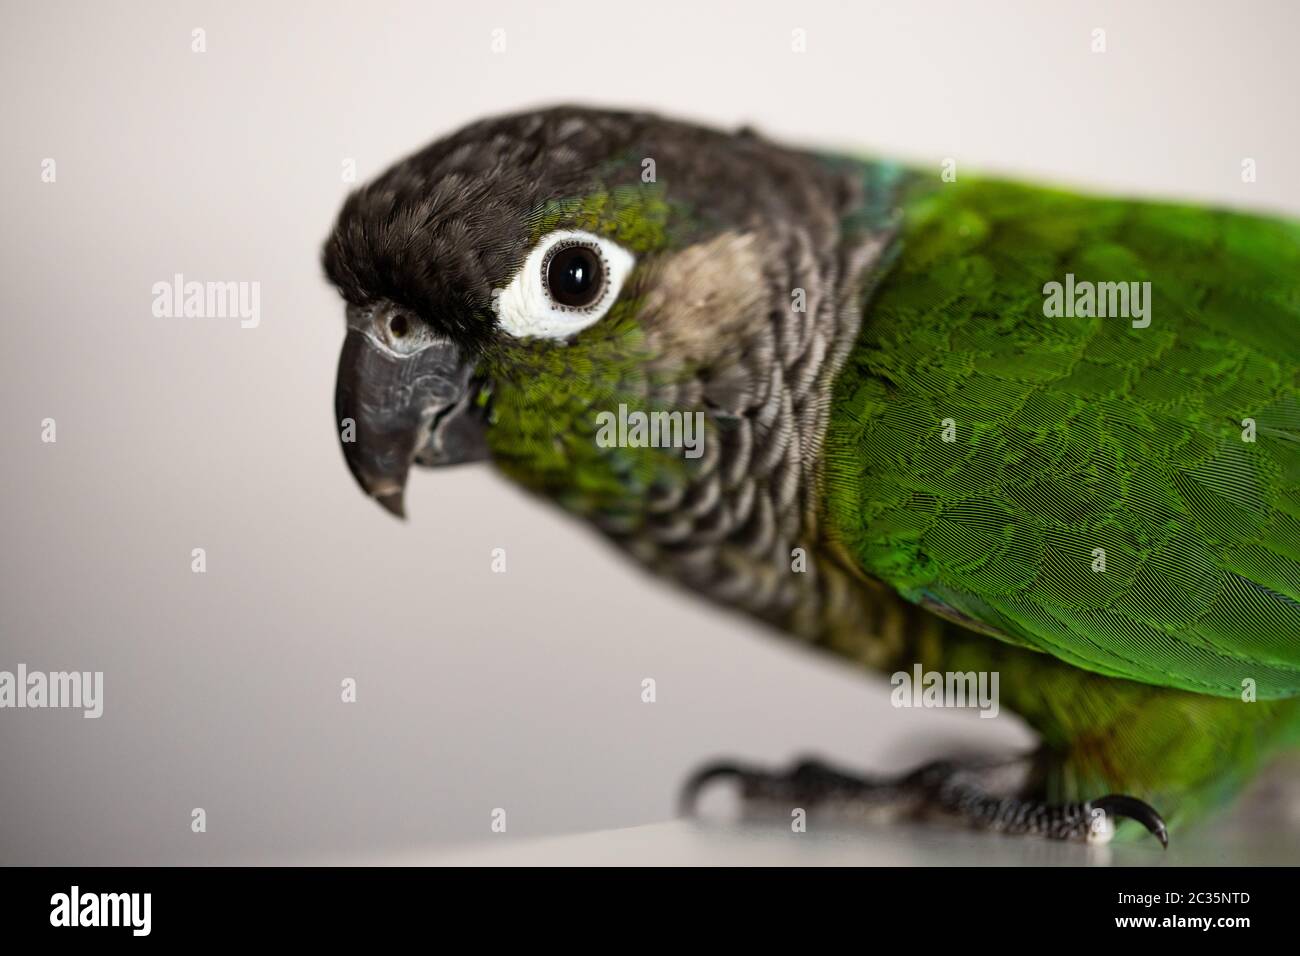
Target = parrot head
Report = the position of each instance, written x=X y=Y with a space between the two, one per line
x=509 y=284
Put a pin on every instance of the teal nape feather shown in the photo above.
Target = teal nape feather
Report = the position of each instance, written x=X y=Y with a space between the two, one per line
x=1124 y=498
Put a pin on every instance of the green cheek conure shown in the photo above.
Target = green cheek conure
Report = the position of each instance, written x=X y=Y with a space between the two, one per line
x=917 y=420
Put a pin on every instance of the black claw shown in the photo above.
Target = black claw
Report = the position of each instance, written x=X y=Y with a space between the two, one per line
x=705 y=775
x=1120 y=805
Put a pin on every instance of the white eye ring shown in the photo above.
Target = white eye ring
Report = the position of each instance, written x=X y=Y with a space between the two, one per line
x=525 y=307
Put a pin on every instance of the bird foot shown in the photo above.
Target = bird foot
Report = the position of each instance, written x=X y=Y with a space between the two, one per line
x=940 y=790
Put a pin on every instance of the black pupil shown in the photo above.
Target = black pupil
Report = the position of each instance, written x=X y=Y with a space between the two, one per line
x=573 y=276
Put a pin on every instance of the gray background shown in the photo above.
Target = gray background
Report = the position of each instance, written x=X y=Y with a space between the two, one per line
x=476 y=690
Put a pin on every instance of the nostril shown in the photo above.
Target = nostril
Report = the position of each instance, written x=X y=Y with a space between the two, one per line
x=398 y=326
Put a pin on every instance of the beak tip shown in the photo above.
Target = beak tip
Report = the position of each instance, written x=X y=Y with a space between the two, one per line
x=393 y=504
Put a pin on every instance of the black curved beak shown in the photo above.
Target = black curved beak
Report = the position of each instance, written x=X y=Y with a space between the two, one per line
x=396 y=405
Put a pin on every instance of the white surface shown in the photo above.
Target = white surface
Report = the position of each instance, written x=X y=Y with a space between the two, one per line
x=691 y=843
x=1262 y=829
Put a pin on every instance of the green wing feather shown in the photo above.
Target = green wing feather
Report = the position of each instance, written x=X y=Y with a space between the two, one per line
x=1074 y=434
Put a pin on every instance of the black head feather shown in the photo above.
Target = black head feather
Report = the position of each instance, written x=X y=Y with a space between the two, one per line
x=441 y=229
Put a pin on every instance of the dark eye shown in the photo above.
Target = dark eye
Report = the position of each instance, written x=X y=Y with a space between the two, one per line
x=575 y=276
